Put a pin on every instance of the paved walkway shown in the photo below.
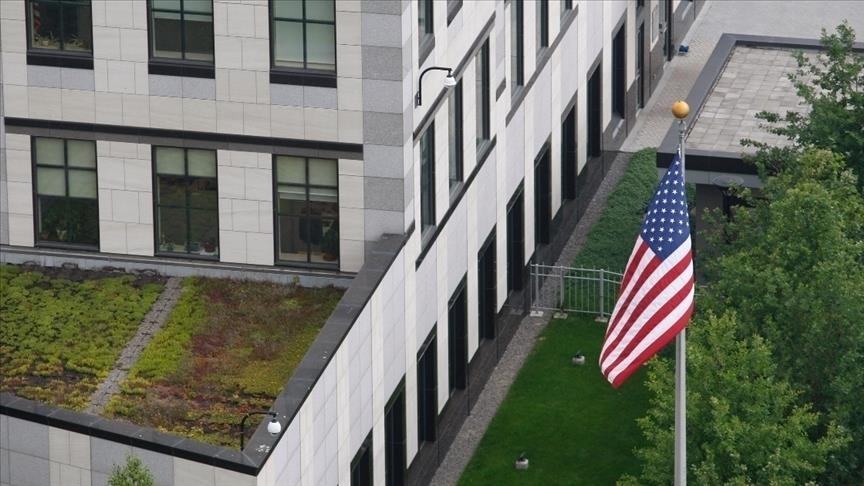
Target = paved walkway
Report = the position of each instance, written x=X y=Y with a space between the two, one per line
x=151 y=323
x=771 y=17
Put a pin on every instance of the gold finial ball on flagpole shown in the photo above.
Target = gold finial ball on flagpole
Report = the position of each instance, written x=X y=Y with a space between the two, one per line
x=680 y=109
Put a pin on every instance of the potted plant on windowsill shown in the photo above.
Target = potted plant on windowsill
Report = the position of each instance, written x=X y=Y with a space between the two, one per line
x=330 y=243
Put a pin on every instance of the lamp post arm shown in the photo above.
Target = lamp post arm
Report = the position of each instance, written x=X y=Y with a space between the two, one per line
x=418 y=98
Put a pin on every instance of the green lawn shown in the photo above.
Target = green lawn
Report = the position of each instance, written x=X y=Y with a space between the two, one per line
x=61 y=331
x=573 y=426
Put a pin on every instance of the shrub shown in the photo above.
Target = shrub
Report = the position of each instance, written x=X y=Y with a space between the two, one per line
x=134 y=473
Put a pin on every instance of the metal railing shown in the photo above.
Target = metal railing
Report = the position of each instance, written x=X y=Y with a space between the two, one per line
x=579 y=290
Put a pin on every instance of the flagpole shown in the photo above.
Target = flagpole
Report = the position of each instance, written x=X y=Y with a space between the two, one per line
x=680 y=109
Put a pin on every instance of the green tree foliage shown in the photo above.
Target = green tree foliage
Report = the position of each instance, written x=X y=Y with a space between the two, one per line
x=744 y=423
x=832 y=85
x=133 y=473
x=793 y=266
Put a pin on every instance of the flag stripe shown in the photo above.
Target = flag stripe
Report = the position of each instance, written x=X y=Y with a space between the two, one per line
x=647 y=302
x=655 y=299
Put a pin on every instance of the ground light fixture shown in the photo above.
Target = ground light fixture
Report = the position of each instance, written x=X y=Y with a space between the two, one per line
x=449 y=82
x=273 y=427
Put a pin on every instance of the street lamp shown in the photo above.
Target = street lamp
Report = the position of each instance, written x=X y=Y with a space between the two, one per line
x=449 y=82
x=273 y=427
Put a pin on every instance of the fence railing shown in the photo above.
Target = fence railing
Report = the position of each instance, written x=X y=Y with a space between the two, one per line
x=579 y=290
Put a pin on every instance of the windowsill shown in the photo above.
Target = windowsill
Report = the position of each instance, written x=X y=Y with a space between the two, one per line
x=190 y=256
x=60 y=59
x=303 y=77
x=189 y=69
x=455 y=189
x=66 y=246
x=427 y=236
x=483 y=149
x=323 y=266
x=542 y=53
x=427 y=43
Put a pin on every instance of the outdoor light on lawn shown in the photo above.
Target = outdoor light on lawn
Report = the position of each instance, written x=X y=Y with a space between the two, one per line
x=449 y=82
x=273 y=427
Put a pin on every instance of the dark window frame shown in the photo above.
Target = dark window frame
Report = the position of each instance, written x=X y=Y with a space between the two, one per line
x=426 y=31
x=427 y=390
x=543 y=196
x=194 y=68
x=395 y=426
x=457 y=338
x=300 y=76
x=569 y=155
x=456 y=137
x=37 y=203
x=487 y=286
x=58 y=57
x=277 y=213
x=362 y=466
x=188 y=180
x=482 y=103
x=594 y=128
x=619 y=72
x=542 y=26
x=517 y=47
x=427 y=181
x=516 y=241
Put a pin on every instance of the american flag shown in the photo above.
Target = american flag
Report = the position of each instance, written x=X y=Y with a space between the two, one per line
x=655 y=301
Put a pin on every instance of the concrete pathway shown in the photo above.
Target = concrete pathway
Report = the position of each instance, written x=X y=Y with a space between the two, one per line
x=152 y=322
x=755 y=17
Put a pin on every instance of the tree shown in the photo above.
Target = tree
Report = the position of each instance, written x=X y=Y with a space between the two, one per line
x=832 y=85
x=792 y=263
x=133 y=473
x=744 y=425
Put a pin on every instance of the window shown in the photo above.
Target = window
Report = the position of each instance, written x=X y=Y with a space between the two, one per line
x=361 y=465
x=481 y=60
x=453 y=8
x=517 y=47
x=394 y=438
x=568 y=5
x=187 y=213
x=595 y=112
x=67 y=208
x=542 y=198
x=568 y=155
x=304 y=39
x=455 y=129
x=60 y=32
x=425 y=28
x=619 y=71
x=307 y=209
x=181 y=36
x=427 y=179
x=427 y=391
x=515 y=241
x=457 y=339
x=487 y=287
x=542 y=24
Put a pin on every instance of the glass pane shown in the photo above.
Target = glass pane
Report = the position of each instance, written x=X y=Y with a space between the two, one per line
x=82 y=183
x=288 y=44
x=292 y=9
x=292 y=200
x=76 y=28
x=315 y=239
x=320 y=47
x=322 y=172
x=204 y=232
x=329 y=242
x=198 y=6
x=49 y=151
x=199 y=37
x=165 y=31
x=45 y=25
x=167 y=4
x=51 y=225
x=320 y=10
x=82 y=223
x=50 y=182
x=202 y=163
x=202 y=194
x=291 y=246
x=291 y=169
x=169 y=160
x=323 y=195
x=172 y=230
x=421 y=16
x=81 y=153
x=171 y=191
